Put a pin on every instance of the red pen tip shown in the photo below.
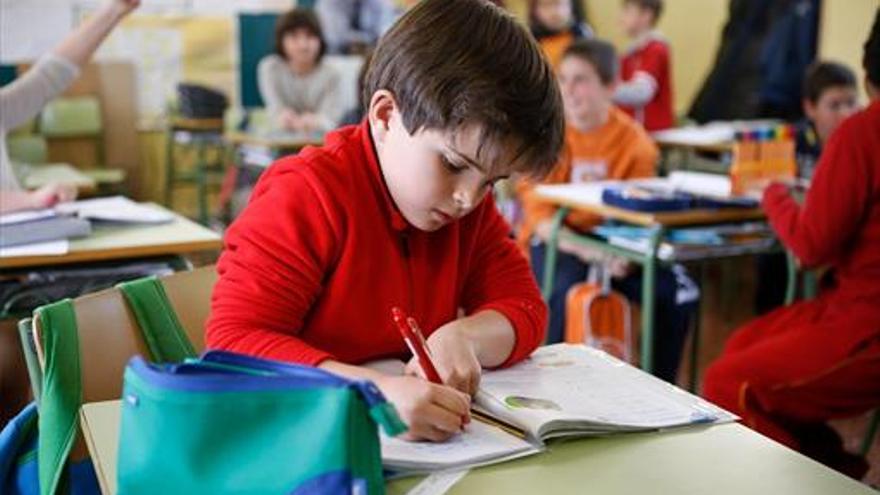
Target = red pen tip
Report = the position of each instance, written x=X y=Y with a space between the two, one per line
x=398 y=315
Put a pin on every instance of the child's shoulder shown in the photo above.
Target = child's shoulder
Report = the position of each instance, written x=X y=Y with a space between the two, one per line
x=271 y=61
x=627 y=130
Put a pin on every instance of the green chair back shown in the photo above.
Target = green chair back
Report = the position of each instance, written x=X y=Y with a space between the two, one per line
x=27 y=148
x=72 y=117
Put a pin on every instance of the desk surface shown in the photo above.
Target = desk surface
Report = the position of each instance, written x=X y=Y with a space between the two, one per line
x=275 y=140
x=666 y=219
x=724 y=459
x=179 y=236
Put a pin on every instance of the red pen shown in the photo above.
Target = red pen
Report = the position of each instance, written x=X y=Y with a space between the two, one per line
x=414 y=339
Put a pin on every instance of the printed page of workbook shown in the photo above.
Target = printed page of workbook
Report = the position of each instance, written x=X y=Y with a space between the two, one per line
x=478 y=445
x=563 y=389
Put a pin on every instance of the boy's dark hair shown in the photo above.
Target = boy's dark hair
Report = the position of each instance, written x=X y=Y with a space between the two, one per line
x=823 y=75
x=871 y=55
x=598 y=53
x=451 y=63
x=294 y=20
x=655 y=6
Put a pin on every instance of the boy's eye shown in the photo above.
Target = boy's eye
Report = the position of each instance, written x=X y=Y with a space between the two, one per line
x=452 y=167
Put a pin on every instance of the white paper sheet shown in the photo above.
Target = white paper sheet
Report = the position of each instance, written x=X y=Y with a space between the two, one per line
x=51 y=248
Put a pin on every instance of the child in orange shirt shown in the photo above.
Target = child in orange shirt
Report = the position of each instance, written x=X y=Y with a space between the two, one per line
x=557 y=24
x=602 y=143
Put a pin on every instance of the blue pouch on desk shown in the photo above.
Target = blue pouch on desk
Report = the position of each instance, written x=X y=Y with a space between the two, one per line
x=228 y=423
x=655 y=200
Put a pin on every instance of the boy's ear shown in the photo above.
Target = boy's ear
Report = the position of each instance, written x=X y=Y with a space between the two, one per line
x=809 y=109
x=380 y=112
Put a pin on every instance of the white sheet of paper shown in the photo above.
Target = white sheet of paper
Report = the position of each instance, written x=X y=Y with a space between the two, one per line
x=26 y=216
x=51 y=248
x=438 y=483
x=115 y=208
x=478 y=443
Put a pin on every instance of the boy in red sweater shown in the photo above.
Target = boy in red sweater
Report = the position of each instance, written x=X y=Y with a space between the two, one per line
x=645 y=89
x=790 y=371
x=397 y=211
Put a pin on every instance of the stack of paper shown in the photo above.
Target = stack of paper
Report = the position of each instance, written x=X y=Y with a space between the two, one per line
x=38 y=227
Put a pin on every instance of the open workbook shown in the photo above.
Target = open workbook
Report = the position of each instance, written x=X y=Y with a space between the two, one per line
x=562 y=390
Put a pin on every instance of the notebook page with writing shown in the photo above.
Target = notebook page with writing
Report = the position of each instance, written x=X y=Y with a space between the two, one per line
x=566 y=388
x=477 y=445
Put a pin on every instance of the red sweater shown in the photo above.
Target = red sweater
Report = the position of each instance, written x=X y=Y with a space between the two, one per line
x=314 y=264
x=839 y=222
x=652 y=57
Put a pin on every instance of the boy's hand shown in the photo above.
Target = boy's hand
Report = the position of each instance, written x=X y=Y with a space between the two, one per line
x=52 y=194
x=432 y=412
x=290 y=120
x=454 y=356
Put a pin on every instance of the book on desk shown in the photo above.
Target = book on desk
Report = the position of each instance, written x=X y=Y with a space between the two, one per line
x=49 y=228
x=562 y=390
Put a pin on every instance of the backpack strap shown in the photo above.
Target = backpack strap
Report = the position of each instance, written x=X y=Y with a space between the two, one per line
x=62 y=392
x=157 y=320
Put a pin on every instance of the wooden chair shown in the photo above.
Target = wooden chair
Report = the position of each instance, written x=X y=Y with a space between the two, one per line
x=109 y=334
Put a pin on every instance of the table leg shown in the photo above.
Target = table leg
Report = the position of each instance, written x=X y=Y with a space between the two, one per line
x=695 y=335
x=791 y=285
x=649 y=276
x=550 y=251
x=202 y=181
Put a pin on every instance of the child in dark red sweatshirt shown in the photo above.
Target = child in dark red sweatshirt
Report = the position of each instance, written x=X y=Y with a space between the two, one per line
x=397 y=211
x=790 y=371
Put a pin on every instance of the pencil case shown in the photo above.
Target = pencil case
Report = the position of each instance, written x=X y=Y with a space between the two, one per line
x=228 y=423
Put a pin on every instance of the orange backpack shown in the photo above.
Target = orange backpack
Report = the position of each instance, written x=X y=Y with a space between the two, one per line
x=597 y=316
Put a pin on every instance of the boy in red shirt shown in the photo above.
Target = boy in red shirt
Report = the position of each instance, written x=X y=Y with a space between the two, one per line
x=787 y=373
x=397 y=211
x=645 y=91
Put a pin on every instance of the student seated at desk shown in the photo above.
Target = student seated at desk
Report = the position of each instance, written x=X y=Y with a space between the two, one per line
x=397 y=212
x=829 y=98
x=789 y=372
x=24 y=98
x=602 y=143
x=557 y=24
x=645 y=92
x=300 y=92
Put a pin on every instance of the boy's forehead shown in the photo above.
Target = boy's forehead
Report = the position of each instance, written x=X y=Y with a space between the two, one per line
x=493 y=153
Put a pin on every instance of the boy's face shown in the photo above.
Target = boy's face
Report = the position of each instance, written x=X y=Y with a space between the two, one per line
x=583 y=93
x=634 y=20
x=434 y=177
x=554 y=14
x=834 y=105
x=301 y=47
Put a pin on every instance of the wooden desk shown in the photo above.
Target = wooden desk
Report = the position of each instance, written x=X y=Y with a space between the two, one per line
x=720 y=460
x=666 y=219
x=274 y=140
x=178 y=237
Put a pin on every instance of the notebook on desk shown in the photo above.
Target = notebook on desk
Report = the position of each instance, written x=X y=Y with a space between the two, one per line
x=562 y=390
x=115 y=209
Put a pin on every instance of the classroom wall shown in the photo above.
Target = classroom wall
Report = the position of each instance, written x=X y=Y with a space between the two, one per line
x=843 y=30
x=693 y=28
